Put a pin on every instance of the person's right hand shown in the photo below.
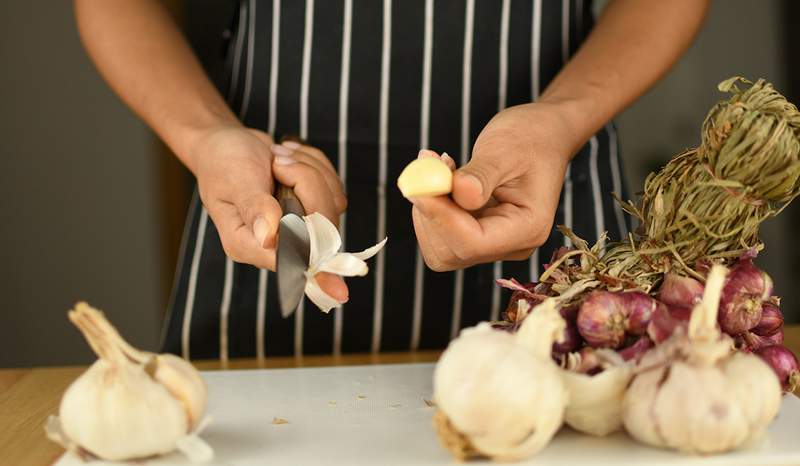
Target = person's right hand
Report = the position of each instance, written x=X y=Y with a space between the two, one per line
x=235 y=167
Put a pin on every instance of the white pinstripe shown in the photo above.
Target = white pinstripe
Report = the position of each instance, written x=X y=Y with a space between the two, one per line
x=192 y=285
x=568 y=175
x=227 y=287
x=536 y=33
x=261 y=303
x=424 y=130
x=616 y=179
x=308 y=37
x=466 y=89
x=344 y=95
x=380 y=263
x=502 y=89
x=237 y=56
x=599 y=220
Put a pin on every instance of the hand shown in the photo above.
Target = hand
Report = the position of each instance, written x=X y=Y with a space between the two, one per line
x=504 y=200
x=235 y=166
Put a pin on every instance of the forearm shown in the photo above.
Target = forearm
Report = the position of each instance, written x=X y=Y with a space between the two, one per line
x=633 y=44
x=142 y=54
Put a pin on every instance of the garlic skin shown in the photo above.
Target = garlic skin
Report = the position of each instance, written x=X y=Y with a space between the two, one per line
x=694 y=394
x=130 y=404
x=119 y=413
x=595 y=401
x=324 y=256
x=501 y=391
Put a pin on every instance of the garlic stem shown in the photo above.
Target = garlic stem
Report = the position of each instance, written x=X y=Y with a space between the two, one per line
x=703 y=322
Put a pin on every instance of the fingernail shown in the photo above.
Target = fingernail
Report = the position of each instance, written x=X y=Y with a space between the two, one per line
x=280 y=150
x=426 y=153
x=447 y=159
x=293 y=145
x=284 y=160
x=260 y=228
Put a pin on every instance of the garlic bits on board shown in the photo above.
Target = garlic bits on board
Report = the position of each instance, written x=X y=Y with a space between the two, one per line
x=499 y=394
x=129 y=404
x=694 y=393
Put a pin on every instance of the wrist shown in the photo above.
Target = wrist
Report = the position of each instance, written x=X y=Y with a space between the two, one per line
x=184 y=138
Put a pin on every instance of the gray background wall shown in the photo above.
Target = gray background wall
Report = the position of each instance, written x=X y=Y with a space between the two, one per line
x=80 y=211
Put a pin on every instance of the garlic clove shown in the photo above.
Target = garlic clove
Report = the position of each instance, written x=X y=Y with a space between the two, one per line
x=637 y=407
x=425 y=177
x=752 y=380
x=595 y=401
x=184 y=382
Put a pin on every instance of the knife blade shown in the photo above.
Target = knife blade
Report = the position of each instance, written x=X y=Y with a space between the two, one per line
x=294 y=249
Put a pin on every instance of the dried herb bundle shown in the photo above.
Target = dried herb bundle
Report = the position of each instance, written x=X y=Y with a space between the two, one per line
x=706 y=204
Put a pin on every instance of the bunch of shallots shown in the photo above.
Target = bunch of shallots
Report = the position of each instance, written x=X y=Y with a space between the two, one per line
x=129 y=404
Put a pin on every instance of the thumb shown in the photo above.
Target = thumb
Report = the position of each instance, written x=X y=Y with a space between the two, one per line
x=474 y=183
x=262 y=214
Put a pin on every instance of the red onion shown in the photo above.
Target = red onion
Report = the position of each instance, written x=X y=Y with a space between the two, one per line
x=755 y=342
x=572 y=340
x=784 y=363
x=665 y=320
x=602 y=319
x=637 y=349
x=676 y=290
x=641 y=307
x=771 y=320
x=745 y=289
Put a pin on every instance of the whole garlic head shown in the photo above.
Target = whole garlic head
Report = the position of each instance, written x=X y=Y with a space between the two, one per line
x=501 y=391
x=693 y=394
x=129 y=404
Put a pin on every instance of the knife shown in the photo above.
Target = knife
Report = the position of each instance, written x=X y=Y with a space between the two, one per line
x=294 y=249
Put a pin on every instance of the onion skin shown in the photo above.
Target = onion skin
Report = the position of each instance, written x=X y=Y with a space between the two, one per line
x=641 y=307
x=665 y=320
x=745 y=289
x=754 y=342
x=676 y=290
x=784 y=363
x=771 y=320
x=635 y=351
x=602 y=319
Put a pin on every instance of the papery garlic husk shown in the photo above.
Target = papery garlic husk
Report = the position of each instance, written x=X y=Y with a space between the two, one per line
x=501 y=392
x=595 y=401
x=694 y=393
x=129 y=404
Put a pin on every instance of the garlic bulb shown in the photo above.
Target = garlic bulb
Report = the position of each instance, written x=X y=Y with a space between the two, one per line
x=324 y=256
x=501 y=392
x=595 y=401
x=693 y=393
x=129 y=404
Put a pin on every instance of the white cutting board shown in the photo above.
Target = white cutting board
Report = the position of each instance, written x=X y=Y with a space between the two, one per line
x=376 y=415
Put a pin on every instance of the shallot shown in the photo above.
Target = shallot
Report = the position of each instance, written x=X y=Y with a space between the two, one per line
x=784 y=363
x=771 y=320
x=677 y=290
x=745 y=289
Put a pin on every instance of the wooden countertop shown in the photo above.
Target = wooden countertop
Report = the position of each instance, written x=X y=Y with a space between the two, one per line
x=28 y=396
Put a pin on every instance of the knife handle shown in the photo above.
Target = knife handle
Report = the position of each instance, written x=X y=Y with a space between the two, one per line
x=290 y=204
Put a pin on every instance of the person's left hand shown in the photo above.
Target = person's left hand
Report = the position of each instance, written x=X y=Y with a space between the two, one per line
x=504 y=200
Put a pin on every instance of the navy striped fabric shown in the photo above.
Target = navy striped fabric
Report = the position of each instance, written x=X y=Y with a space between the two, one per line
x=370 y=83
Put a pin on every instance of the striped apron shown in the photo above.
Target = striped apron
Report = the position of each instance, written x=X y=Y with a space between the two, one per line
x=370 y=82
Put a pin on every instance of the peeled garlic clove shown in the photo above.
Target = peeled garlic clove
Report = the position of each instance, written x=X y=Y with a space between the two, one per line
x=501 y=392
x=425 y=177
x=595 y=401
